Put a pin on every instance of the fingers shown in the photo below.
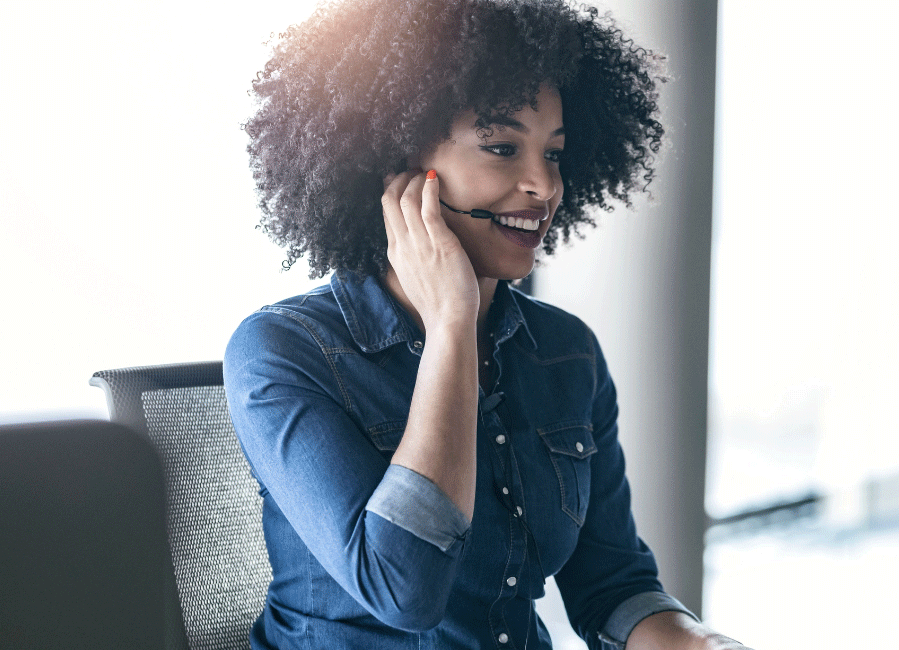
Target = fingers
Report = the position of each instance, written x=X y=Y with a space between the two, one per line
x=394 y=221
x=410 y=204
x=402 y=204
x=430 y=205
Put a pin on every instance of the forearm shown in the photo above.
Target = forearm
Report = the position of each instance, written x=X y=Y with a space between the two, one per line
x=676 y=631
x=439 y=440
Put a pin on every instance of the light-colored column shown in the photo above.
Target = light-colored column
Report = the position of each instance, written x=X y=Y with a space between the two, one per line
x=641 y=281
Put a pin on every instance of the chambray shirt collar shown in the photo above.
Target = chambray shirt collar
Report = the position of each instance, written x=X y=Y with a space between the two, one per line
x=373 y=317
x=510 y=317
x=376 y=321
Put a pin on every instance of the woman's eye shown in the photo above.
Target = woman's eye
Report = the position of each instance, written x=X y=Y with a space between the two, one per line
x=553 y=156
x=506 y=150
x=500 y=149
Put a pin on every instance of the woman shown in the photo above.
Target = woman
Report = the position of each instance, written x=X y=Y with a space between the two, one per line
x=431 y=444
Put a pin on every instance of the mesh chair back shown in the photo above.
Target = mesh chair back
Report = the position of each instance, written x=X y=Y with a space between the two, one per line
x=214 y=516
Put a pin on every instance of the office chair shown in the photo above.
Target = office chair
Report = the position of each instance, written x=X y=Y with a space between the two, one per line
x=83 y=548
x=214 y=517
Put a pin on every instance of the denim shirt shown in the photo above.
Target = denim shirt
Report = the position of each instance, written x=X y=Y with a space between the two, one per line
x=374 y=556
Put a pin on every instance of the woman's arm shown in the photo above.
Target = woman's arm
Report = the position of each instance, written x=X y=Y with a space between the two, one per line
x=439 y=440
x=610 y=583
x=293 y=412
x=438 y=280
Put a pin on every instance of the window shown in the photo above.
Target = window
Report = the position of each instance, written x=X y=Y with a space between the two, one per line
x=803 y=471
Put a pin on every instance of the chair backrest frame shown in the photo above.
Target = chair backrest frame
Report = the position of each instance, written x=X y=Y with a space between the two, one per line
x=124 y=386
x=133 y=398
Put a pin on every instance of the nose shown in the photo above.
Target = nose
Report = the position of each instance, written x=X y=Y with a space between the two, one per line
x=539 y=179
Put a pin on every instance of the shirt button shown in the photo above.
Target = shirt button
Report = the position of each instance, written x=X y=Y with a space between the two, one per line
x=418 y=344
x=503 y=638
x=579 y=447
x=512 y=581
x=500 y=439
x=505 y=490
x=518 y=508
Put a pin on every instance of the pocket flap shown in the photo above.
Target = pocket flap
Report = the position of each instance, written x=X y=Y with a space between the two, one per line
x=387 y=435
x=569 y=438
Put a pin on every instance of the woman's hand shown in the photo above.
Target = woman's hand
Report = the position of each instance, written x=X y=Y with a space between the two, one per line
x=439 y=282
x=430 y=263
x=677 y=631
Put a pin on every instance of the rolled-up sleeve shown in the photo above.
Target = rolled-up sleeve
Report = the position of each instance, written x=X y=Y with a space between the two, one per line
x=415 y=504
x=633 y=610
x=388 y=536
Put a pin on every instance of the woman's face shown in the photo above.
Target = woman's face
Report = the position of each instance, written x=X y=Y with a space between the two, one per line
x=514 y=174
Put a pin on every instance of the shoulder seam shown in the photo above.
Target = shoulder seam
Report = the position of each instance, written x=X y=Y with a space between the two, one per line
x=325 y=350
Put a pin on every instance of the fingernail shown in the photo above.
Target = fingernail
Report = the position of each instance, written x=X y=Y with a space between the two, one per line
x=432 y=174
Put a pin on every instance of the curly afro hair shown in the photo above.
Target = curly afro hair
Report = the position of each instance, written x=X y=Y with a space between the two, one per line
x=352 y=92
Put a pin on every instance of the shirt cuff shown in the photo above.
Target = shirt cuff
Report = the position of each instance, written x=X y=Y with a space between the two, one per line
x=633 y=610
x=415 y=504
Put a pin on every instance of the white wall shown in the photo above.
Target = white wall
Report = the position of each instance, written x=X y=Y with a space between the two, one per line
x=126 y=201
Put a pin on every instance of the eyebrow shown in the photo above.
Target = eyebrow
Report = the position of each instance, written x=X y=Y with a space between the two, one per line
x=512 y=123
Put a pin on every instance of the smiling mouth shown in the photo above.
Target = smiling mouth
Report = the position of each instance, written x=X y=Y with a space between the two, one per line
x=525 y=221
x=521 y=220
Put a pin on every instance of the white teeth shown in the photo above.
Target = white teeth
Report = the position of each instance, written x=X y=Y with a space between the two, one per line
x=518 y=222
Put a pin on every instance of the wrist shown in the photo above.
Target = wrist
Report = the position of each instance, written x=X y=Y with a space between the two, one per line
x=675 y=630
x=458 y=330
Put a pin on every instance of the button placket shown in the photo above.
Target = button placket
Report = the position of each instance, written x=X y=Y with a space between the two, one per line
x=517 y=555
x=507 y=483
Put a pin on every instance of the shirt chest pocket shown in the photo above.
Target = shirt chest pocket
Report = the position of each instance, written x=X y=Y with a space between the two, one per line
x=570 y=445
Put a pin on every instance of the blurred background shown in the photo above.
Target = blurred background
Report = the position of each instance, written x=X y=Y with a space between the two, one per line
x=750 y=323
